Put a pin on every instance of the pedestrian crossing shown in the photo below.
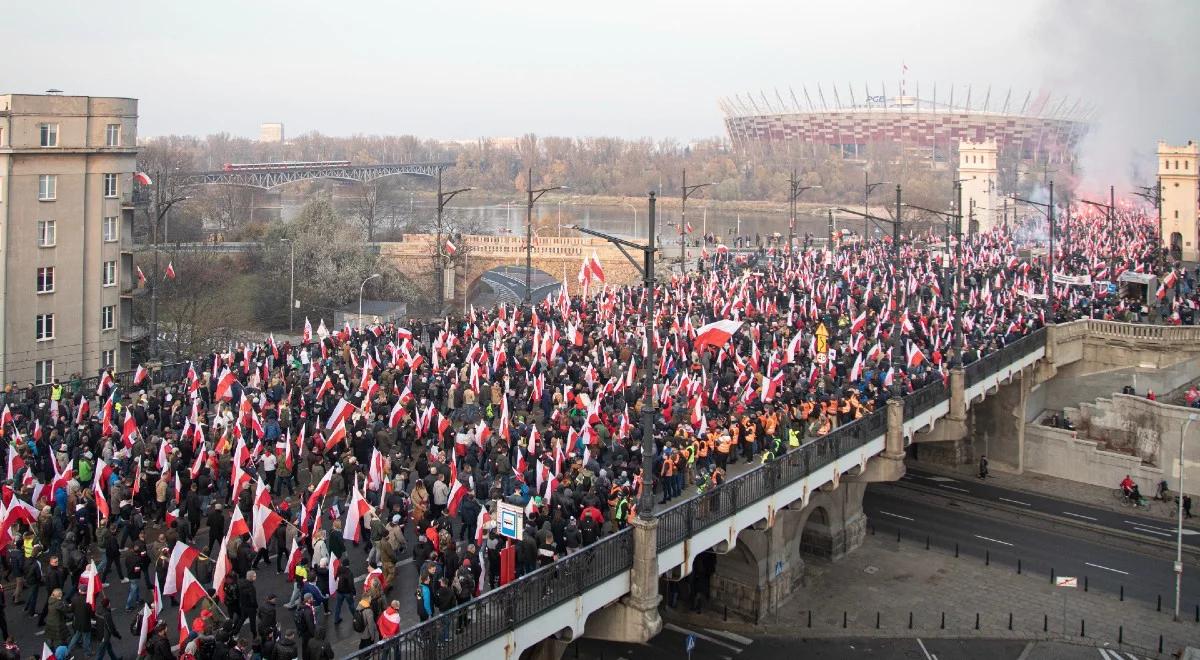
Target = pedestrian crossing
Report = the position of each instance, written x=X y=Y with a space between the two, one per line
x=1111 y=654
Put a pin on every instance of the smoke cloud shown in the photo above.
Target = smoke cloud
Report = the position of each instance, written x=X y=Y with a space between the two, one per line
x=1132 y=59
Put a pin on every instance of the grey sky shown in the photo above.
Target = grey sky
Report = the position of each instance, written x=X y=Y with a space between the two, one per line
x=459 y=69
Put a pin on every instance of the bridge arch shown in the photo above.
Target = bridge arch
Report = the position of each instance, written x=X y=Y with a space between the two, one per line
x=506 y=284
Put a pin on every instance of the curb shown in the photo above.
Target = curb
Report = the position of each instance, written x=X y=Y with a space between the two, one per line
x=1192 y=552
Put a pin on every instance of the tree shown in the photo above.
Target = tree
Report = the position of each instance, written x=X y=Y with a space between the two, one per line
x=366 y=206
x=195 y=310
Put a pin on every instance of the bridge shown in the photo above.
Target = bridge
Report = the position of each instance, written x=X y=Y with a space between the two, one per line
x=268 y=178
x=764 y=520
x=497 y=260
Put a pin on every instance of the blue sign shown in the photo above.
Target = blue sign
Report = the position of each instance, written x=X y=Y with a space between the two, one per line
x=511 y=521
x=690 y=644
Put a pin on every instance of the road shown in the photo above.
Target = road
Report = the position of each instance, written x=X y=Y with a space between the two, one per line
x=715 y=644
x=1126 y=521
x=1067 y=551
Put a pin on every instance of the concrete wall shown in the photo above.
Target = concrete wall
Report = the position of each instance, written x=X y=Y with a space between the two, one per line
x=1060 y=453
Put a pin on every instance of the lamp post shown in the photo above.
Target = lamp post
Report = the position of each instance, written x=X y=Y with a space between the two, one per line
x=687 y=191
x=645 y=505
x=632 y=229
x=533 y=196
x=1155 y=198
x=1111 y=210
x=361 y=288
x=439 y=276
x=291 y=282
x=948 y=219
x=867 y=188
x=1179 y=522
x=1049 y=213
x=163 y=206
x=794 y=192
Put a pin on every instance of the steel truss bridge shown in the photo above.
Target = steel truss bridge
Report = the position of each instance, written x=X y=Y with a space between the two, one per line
x=266 y=178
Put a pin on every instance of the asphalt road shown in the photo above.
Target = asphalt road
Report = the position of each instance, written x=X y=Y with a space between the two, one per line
x=715 y=644
x=1068 y=552
x=1127 y=520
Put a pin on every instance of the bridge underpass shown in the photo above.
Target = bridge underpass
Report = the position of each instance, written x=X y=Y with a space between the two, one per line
x=506 y=284
x=809 y=501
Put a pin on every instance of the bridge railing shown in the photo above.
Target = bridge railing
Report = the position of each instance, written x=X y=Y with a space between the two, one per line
x=506 y=608
x=500 y=610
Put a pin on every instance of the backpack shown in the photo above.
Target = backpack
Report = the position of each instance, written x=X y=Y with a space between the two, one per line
x=358 y=623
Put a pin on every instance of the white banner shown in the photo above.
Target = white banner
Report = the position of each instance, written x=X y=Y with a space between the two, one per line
x=1072 y=280
x=1030 y=294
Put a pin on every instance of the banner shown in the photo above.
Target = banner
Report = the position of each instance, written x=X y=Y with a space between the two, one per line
x=1072 y=280
x=1030 y=294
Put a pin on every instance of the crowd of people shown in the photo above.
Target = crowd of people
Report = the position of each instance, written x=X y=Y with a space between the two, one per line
x=395 y=442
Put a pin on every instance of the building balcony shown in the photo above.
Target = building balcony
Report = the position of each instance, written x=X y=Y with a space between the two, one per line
x=134 y=333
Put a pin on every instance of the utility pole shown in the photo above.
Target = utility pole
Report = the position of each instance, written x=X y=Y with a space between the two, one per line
x=867 y=188
x=687 y=191
x=439 y=250
x=794 y=192
x=162 y=206
x=534 y=195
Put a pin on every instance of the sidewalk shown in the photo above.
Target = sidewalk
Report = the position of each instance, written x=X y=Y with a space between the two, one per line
x=885 y=589
x=1099 y=497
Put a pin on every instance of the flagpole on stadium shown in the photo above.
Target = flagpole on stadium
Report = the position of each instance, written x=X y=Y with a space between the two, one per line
x=645 y=505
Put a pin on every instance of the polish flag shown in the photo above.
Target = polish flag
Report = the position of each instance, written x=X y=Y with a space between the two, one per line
x=142 y=179
x=326 y=386
x=307 y=331
x=191 y=593
x=184 y=631
x=856 y=370
x=915 y=356
x=338 y=435
x=89 y=584
x=106 y=382
x=237 y=524
x=375 y=476
x=594 y=267
x=266 y=521
x=334 y=565
x=128 y=429
x=354 y=515
x=320 y=491
x=15 y=462
x=397 y=413
x=457 y=493
x=102 y=510
x=450 y=248
x=294 y=557
x=859 y=323
x=140 y=375
x=140 y=275
x=182 y=557
x=47 y=654
x=225 y=385
x=388 y=623
x=341 y=413
x=170 y=270
x=716 y=333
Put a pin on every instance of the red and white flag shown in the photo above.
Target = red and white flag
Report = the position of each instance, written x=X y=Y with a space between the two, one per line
x=341 y=413
x=182 y=557
x=140 y=375
x=170 y=270
x=716 y=333
x=388 y=623
x=451 y=248
x=142 y=179
x=225 y=385
x=191 y=593
x=354 y=515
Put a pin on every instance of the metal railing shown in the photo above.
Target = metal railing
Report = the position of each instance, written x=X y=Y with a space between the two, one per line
x=991 y=363
x=501 y=610
x=925 y=398
x=163 y=374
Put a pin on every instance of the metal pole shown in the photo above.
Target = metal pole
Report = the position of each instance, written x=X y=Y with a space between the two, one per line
x=1161 y=260
x=1179 y=529
x=438 y=268
x=829 y=230
x=292 y=288
x=957 y=273
x=866 y=204
x=529 y=239
x=1050 y=286
x=896 y=232
x=649 y=370
x=154 y=283
x=792 y=210
x=683 y=224
x=1112 y=227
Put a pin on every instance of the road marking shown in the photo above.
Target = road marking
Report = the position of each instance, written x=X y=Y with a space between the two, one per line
x=1080 y=515
x=896 y=515
x=928 y=655
x=1005 y=499
x=961 y=490
x=1152 y=531
x=711 y=640
x=1088 y=563
x=993 y=540
x=744 y=641
x=941 y=479
x=1169 y=532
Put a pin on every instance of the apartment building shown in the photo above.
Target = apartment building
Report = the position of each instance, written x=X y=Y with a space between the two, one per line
x=66 y=219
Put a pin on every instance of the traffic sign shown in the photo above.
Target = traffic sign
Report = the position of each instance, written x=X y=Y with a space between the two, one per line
x=690 y=644
x=511 y=520
x=1066 y=582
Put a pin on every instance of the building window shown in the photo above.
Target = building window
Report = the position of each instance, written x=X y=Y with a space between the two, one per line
x=44 y=327
x=110 y=229
x=108 y=358
x=112 y=135
x=108 y=315
x=110 y=185
x=45 y=233
x=49 y=135
x=110 y=273
x=47 y=187
x=1176 y=164
x=45 y=279
x=1176 y=214
x=43 y=372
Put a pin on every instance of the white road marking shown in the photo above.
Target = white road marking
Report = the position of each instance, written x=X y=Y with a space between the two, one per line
x=1154 y=531
x=928 y=655
x=941 y=479
x=1172 y=531
x=711 y=640
x=744 y=641
x=1005 y=499
x=896 y=515
x=993 y=540
x=961 y=490
x=1104 y=654
x=1088 y=563
x=1080 y=515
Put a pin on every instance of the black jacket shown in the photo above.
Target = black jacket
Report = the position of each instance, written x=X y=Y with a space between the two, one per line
x=247 y=595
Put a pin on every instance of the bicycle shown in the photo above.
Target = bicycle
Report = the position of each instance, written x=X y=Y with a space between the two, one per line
x=1125 y=499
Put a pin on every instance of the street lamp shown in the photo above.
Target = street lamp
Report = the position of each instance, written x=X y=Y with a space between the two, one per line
x=687 y=191
x=948 y=218
x=1111 y=209
x=291 y=283
x=794 y=192
x=162 y=206
x=533 y=196
x=1155 y=198
x=645 y=505
x=361 y=288
x=439 y=277
x=1179 y=530
x=633 y=229
x=1049 y=213
x=867 y=188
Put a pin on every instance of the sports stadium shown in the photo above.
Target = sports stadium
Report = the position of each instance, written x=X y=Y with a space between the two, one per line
x=1041 y=127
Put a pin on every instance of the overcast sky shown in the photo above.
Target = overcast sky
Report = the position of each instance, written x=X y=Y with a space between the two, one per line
x=459 y=69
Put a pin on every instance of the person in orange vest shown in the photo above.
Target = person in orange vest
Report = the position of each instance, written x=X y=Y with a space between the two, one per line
x=667 y=475
x=723 y=443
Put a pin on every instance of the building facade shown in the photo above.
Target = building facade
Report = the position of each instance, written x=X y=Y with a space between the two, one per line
x=1180 y=195
x=66 y=220
x=978 y=169
x=271 y=132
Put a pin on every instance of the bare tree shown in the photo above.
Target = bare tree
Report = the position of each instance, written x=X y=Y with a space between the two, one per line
x=366 y=205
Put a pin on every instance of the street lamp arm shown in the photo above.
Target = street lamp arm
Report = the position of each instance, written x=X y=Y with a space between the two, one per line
x=444 y=198
x=537 y=194
x=1100 y=204
x=688 y=190
x=945 y=214
x=1040 y=206
x=868 y=216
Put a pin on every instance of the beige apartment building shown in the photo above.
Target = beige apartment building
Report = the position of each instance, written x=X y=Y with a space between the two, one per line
x=66 y=219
